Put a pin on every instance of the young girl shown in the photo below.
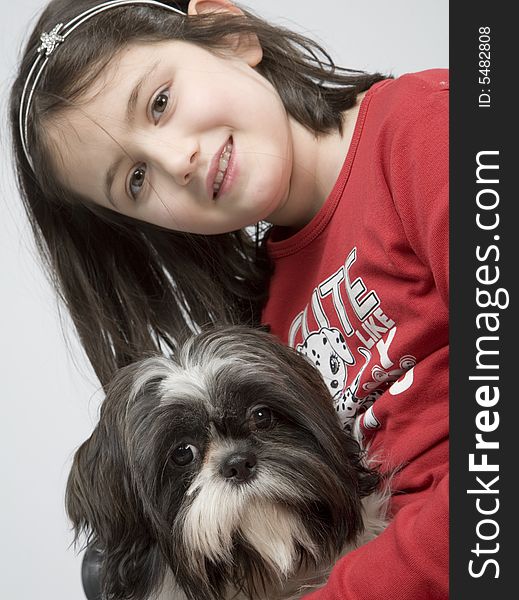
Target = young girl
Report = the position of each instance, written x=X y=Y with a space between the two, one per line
x=150 y=137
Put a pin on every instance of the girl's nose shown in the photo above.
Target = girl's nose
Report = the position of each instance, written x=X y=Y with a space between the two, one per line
x=178 y=159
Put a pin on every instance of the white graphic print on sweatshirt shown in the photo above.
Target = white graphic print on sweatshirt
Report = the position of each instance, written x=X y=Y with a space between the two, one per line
x=336 y=352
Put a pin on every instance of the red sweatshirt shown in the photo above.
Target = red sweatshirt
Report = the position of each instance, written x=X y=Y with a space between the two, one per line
x=362 y=290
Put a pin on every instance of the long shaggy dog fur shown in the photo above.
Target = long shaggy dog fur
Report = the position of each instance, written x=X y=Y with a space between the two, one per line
x=221 y=473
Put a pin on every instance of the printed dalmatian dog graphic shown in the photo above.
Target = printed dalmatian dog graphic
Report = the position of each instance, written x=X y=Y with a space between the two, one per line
x=328 y=350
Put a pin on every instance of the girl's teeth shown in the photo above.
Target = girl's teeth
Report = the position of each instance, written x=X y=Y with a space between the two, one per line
x=222 y=167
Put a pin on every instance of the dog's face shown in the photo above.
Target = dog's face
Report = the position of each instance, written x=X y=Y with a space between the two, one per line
x=227 y=466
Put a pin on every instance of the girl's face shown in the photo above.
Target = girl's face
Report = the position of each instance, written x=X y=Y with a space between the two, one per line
x=152 y=138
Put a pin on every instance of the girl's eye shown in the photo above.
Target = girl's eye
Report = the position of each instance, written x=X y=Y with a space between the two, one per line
x=261 y=418
x=184 y=454
x=137 y=179
x=159 y=105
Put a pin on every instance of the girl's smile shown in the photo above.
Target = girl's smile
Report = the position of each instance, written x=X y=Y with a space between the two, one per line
x=223 y=170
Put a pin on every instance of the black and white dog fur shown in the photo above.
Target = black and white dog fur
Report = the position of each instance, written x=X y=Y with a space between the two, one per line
x=221 y=474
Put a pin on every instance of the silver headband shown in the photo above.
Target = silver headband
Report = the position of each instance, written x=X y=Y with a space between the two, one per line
x=50 y=41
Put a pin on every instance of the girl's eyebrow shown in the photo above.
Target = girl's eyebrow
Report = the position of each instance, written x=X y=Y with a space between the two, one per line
x=133 y=100
x=134 y=95
x=109 y=180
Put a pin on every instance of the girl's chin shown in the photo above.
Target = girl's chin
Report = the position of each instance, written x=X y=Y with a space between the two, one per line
x=273 y=208
x=277 y=216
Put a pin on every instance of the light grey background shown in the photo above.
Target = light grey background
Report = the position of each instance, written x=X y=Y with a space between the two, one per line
x=49 y=395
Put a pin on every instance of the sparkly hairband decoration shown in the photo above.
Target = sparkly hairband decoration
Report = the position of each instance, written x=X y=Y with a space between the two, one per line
x=50 y=41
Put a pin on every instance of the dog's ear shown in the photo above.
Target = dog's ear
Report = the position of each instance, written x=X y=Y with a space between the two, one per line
x=102 y=504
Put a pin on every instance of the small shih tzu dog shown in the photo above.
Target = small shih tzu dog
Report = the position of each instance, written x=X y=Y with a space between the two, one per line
x=221 y=474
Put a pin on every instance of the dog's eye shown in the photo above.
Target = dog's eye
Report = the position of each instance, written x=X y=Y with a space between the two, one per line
x=334 y=364
x=261 y=418
x=184 y=454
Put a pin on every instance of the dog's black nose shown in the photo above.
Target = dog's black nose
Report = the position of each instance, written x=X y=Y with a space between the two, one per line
x=239 y=467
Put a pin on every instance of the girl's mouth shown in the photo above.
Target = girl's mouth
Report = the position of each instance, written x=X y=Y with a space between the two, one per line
x=223 y=164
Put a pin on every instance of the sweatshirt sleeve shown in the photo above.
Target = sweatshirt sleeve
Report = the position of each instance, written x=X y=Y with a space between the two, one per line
x=419 y=172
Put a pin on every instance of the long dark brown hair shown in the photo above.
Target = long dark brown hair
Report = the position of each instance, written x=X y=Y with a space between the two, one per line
x=133 y=288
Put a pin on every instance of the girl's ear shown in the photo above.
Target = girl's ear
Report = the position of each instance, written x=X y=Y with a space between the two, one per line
x=246 y=47
x=197 y=7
